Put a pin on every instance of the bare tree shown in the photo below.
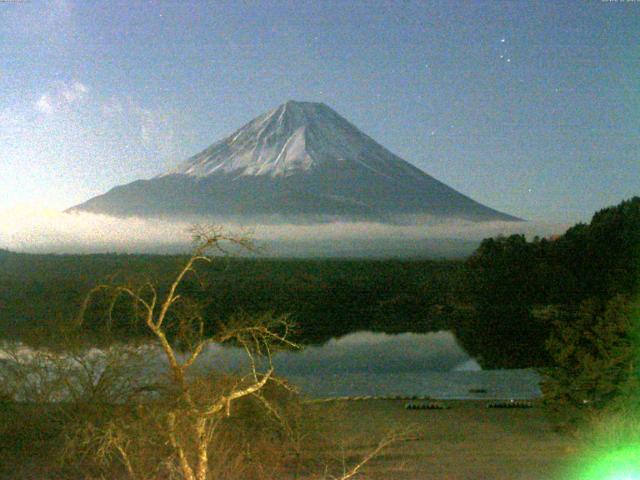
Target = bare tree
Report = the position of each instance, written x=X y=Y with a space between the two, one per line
x=120 y=417
x=397 y=435
x=196 y=408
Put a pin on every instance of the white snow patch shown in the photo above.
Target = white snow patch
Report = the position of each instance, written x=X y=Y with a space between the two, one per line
x=294 y=137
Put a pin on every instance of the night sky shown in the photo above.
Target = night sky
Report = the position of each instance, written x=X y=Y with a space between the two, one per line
x=532 y=108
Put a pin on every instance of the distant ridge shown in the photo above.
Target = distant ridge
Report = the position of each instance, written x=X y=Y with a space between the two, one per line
x=303 y=162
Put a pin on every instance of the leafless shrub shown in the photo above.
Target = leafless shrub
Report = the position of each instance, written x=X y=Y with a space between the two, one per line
x=123 y=419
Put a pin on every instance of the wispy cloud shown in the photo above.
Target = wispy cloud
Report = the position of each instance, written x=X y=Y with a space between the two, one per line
x=44 y=103
x=156 y=129
x=112 y=107
x=70 y=142
x=61 y=96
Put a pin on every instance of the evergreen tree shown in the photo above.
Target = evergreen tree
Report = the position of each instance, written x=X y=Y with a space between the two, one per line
x=594 y=350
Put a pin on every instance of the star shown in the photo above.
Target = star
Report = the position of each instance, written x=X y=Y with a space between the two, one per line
x=502 y=40
x=508 y=60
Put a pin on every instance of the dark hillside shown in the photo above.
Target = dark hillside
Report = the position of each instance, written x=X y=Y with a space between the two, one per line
x=513 y=283
x=324 y=297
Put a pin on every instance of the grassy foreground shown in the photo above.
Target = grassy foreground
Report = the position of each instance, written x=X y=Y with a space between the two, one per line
x=465 y=442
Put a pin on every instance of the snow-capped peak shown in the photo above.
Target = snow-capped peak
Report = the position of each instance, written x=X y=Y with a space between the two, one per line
x=300 y=161
x=294 y=137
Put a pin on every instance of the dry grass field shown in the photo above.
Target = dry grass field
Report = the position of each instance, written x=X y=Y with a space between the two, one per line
x=468 y=441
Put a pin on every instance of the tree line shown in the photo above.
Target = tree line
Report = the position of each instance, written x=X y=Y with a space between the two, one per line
x=568 y=303
x=324 y=298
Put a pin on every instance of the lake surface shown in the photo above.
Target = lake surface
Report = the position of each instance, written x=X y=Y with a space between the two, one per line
x=373 y=364
x=379 y=364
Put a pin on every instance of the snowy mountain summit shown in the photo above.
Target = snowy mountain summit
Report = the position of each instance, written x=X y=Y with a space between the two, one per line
x=301 y=161
x=295 y=137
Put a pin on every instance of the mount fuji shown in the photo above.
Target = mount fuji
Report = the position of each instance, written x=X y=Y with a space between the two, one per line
x=300 y=162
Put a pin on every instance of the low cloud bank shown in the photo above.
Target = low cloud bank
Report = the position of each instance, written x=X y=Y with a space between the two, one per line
x=42 y=230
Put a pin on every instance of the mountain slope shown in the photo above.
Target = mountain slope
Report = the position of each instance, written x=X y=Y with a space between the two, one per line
x=300 y=161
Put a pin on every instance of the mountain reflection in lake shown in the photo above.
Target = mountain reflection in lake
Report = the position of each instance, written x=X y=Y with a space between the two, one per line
x=364 y=363
x=379 y=364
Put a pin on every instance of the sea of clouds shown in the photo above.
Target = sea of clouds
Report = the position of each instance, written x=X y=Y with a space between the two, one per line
x=40 y=230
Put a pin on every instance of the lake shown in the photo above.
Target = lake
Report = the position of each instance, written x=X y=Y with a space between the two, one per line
x=378 y=364
x=369 y=363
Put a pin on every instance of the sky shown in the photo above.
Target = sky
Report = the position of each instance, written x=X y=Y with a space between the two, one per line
x=532 y=108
